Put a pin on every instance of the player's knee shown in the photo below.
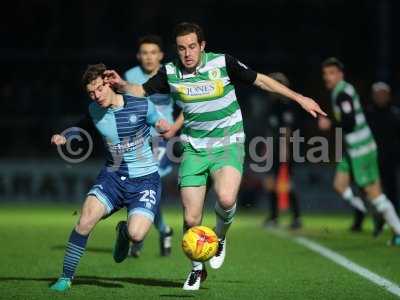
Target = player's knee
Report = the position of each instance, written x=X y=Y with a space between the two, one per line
x=226 y=200
x=339 y=187
x=373 y=190
x=192 y=220
x=136 y=236
x=85 y=225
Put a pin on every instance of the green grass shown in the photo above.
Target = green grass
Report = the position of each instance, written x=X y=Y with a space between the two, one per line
x=259 y=264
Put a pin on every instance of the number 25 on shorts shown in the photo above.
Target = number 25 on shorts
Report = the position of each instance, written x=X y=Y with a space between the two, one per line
x=148 y=196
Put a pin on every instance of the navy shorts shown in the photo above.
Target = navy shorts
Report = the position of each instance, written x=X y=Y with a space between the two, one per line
x=139 y=195
x=161 y=153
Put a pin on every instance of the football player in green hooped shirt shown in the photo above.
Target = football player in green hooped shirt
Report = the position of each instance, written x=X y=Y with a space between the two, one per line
x=203 y=84
x=360 y=160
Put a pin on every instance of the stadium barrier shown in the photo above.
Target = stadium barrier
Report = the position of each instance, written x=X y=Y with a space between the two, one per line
x=56 y=181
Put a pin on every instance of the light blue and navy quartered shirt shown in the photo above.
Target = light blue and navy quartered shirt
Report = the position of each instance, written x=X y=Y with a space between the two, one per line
x=126 y=134
x=163 y=102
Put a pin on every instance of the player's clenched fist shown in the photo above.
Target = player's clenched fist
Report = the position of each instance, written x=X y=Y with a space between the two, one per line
x=58 y=139
x=163 y=126
x=171 y=132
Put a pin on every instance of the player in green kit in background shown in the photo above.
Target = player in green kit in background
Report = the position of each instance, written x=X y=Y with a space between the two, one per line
x=203 y=84
x=360 y=158
x=150 y=55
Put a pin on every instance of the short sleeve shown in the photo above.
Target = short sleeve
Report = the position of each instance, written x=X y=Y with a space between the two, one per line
x=345 y=104
x=153 y=115
x=157 y=84
x=238 y=71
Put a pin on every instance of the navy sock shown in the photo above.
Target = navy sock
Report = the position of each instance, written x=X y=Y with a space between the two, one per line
x=75 y=249
x=159 y=222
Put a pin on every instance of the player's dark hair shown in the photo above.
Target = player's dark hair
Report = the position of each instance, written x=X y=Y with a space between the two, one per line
x=185 y=28
x=333 y=62
x=92 y=72
x=150 y=39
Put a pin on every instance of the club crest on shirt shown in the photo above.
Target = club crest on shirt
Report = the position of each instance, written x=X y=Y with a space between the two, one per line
x=214 y=74
x=132 y=119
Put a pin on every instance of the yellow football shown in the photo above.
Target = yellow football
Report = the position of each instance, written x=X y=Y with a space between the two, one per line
x=200 y=243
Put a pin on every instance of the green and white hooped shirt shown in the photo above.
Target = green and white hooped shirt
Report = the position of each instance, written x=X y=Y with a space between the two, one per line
x=348 y=112
x=207 y=97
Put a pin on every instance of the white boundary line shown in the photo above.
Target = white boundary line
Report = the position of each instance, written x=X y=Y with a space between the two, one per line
x=343 y=261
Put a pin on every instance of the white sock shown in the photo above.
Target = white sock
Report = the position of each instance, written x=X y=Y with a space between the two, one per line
x=385 y=207
x=224 y=219
x=196 y=265
x=354 y=201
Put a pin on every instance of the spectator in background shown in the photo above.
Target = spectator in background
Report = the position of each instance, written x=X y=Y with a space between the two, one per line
x=384 y=119
x=278 y=184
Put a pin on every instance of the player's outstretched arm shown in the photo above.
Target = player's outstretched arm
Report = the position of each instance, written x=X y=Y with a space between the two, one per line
x=115 y=80
x=58 y=139
x=85 y=124
x=267 y=83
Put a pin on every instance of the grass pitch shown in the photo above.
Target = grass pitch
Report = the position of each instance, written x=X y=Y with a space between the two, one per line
x=259 y=265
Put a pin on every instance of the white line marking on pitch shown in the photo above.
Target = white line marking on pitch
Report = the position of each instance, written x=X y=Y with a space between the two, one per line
x=344 y=262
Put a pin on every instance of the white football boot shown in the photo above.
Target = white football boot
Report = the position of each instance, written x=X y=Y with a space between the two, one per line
x=218 y=259
x=194 y=279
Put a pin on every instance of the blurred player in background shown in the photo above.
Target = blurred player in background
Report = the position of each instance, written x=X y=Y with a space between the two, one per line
x=360 y=157
x=281 y=123
x=384 y=119
x=203 y=84
x=130 y=176
x=150 y=55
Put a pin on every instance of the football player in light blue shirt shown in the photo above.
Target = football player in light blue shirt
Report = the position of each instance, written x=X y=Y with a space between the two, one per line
x=129 y=177
x=150 y=55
